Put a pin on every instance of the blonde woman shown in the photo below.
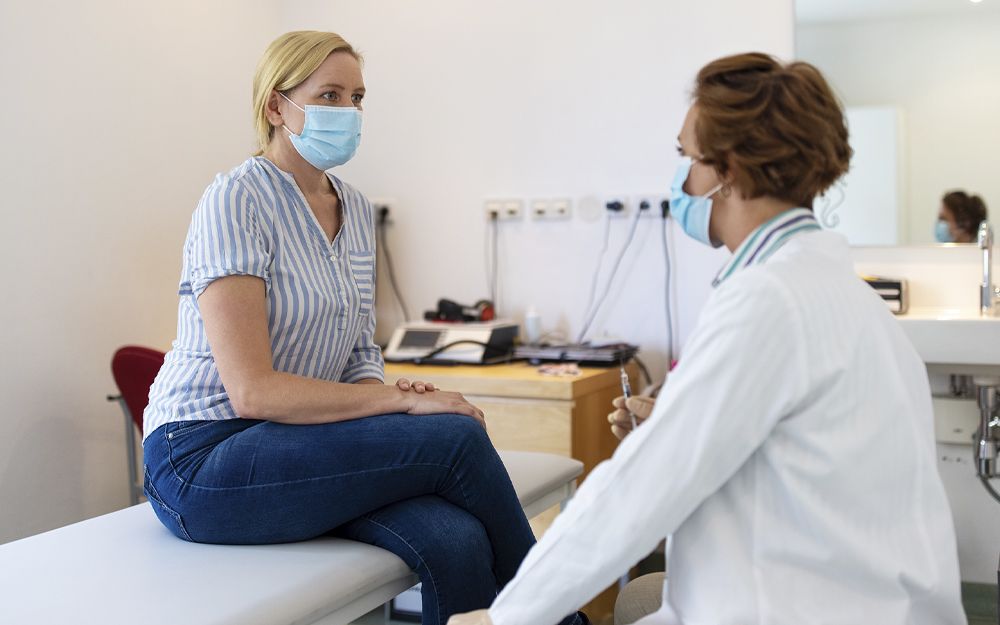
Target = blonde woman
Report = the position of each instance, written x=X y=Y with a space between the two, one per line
x=269 y=421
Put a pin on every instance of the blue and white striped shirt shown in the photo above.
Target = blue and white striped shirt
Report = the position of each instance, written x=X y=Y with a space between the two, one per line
x=320 y=295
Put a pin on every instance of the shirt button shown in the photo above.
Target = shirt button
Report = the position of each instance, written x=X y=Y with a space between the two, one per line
x=333 y=256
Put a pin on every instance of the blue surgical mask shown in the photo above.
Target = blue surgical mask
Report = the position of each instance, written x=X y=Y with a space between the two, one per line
x=691 y=212
x=942 y=232
x=330 y=135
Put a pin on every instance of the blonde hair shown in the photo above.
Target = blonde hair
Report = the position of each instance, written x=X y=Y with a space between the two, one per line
x=288 y=61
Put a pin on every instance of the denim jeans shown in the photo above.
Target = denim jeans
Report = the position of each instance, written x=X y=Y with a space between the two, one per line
x=430 y=489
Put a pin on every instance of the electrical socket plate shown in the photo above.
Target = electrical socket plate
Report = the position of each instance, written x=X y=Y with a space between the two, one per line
x=621 y=199
x=652 y=200
x=590 y=209
x=383 y=202
x=505 y=210
x=561 y=208
x=539 y=209
x=551 y=210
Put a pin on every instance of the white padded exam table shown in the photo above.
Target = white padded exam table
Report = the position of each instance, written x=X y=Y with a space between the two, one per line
x=125 y=567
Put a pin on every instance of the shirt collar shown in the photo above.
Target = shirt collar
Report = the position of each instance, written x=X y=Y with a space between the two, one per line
x=766 y=239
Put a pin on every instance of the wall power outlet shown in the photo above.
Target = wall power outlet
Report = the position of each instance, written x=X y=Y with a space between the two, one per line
x=551 y=209
x=505 y=210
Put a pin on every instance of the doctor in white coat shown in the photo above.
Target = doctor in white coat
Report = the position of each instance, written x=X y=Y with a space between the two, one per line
x=791 y=452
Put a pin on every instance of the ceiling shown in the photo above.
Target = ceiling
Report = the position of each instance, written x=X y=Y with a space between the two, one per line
x=812 y=11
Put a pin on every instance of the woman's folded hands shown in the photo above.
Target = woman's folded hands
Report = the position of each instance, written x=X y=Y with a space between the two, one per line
x=428 y=399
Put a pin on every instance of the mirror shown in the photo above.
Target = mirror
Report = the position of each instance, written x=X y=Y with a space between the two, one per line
x=921 y=82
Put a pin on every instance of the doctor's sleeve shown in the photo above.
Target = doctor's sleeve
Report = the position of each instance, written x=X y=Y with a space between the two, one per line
x=744 y=368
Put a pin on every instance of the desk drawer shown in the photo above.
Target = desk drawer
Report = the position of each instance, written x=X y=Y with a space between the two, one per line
x=528 y=425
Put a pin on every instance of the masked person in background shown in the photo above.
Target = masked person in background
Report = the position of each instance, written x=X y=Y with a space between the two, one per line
x=269 y=421
x=791 y=452
x=959 y=217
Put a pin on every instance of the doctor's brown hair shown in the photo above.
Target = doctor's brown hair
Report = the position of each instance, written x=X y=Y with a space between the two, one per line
x=778 y=128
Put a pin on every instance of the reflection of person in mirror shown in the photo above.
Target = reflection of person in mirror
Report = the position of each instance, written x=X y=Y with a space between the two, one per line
x=959 y=218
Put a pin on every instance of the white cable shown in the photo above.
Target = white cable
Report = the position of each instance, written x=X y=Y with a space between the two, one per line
x=600 y=263
x=666 y=290
x=611 y=278
x=490 y=259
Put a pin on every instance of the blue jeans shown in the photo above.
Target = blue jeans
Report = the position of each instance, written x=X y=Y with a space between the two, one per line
x=430 y=489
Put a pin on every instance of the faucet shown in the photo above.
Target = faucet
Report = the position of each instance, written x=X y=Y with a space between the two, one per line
x=988 y=294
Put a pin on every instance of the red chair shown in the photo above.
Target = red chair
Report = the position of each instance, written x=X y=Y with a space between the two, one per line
x=134 y=369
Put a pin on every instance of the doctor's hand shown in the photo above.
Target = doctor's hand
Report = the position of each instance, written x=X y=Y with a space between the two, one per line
x=404 y=385
x=621 y=423
x=479 y=617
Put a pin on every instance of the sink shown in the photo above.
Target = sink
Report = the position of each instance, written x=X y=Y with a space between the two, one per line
x=954 y=340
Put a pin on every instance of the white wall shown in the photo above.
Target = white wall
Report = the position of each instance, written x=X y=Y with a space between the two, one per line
x=525 y=99
x=863 y=205
x=117 y=115
x=943 y=72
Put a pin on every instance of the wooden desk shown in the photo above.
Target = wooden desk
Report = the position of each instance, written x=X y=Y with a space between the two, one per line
x=528 y=411
x=532 y=412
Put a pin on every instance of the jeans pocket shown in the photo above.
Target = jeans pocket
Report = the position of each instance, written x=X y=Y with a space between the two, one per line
x=170 y=519
x=179 y=428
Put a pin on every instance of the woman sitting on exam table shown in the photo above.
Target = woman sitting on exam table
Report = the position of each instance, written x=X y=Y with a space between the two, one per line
x=790 y=454
x=269 y=421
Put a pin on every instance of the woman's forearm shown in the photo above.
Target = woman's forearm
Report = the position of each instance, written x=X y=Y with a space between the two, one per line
x=234 y=312
x=289 y=398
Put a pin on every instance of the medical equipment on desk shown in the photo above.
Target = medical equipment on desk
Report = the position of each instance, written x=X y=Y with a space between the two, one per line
x=447 y=310
x=586 y=354
x=531 y=321
x=429 y=342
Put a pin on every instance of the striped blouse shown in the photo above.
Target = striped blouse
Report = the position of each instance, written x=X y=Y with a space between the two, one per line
x=320 y=295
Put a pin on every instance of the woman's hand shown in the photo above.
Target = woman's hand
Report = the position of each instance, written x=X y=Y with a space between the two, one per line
x=479 y=617
x=443 y=402
x=404 y=385
x=621 y=423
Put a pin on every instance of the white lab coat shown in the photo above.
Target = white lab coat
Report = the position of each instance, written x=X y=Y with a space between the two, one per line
x=791 y=454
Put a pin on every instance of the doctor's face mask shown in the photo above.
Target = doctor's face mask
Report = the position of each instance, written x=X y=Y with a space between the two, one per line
x=692 y=212
x=330 y=136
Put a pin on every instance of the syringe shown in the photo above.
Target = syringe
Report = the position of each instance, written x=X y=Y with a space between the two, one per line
x=627 y=391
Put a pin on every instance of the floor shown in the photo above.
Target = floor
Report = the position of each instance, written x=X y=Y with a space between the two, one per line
x=980 y=602
x=377 y=617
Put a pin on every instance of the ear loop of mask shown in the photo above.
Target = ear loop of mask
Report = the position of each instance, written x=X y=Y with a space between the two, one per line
x=709 y=194
x=296 y=106
x=693 y=161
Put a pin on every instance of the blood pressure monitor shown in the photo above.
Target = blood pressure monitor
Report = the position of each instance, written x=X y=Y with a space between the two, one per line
x=483 y=343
